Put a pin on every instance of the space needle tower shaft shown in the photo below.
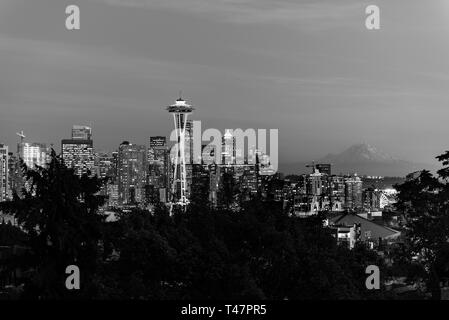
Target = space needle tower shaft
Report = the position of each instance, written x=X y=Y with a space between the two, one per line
x=180 y=111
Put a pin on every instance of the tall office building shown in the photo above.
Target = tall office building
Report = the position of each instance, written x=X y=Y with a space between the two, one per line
x=272 y=187
x=214 y=183
x=337 y=192
x=104 y=169
x=33 y=154
x=14 y=177
x=353 y=192
x=372 y=199
x=188 y=144
x=250 y=180
x=157 y=141
x=315 y=184
x=115 y=165
x=324 y=168
x=158 y=159
x=228 y=153
x=78 y=152
x=132 y=162
x=199 y=191
x=4 y=180
x=113 y=195
x=104 y=164
x=81 y=133
x=157 y=152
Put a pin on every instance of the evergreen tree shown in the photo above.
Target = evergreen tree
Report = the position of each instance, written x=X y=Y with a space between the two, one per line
x=59 y=212
x=425 y=202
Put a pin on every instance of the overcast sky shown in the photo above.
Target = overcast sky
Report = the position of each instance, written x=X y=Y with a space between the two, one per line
x=307 y=67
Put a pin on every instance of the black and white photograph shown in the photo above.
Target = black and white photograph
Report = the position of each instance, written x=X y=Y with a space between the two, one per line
x=224 y=155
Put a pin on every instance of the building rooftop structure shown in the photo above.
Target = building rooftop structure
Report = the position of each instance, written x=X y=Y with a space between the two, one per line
x=180 y=106
x=369 y=230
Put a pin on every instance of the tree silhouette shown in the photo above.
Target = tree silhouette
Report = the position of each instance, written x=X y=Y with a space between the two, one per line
x=424 y=200
x=258 y=252
x=59 y=212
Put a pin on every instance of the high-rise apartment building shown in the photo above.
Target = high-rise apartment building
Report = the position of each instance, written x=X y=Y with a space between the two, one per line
x=200 y=187
x=188 y=144
x=337 y=192
x=105 y=166
x=115 y=165
x=132 y=162
x=33 y=154
x=353 y=192
x=4 y=180
x=250 y=180
x=158 y=173
x=14 y=177
x=316 y=184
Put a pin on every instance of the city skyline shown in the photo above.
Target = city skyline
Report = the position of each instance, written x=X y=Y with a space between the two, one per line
x=235 y=66
x=361 y=158
x=204 y=151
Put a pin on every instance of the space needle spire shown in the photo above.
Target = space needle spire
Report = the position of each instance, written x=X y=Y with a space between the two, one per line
x=180 y=111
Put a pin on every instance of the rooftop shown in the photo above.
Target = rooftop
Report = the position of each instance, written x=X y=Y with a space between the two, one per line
x=369 y=229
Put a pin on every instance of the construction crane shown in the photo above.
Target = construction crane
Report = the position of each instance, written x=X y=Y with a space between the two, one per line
x=21 y=135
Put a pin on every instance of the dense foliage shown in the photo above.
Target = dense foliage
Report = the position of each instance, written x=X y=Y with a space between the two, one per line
x=258 y=253
x=59 y=213
x=424 y=200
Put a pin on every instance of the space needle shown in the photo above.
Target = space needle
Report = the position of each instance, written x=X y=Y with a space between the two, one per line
x=180 y=111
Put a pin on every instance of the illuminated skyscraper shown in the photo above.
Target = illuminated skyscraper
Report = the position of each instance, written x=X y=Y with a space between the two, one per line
x=158 y=141
x=104 y=165
x=315 y=185
x=78 y=152
x=180 y=111
x=228 y=149
x=115 y=165
x=13 y=173
x=33 y=154
x=250 y=180
x=158 y=168
x=131 y=173
x=81 y=133
x=4 y=180
x=337 y=189
x=353 y=192
x=79 y=155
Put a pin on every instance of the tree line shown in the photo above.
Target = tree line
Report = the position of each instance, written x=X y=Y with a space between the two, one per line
x=203 y=253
